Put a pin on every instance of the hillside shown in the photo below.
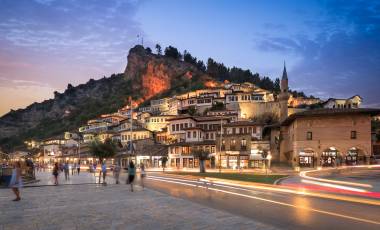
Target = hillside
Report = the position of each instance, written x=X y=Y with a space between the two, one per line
x=147 y=75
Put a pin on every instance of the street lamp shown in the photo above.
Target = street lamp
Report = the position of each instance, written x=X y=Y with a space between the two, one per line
x=220 y=146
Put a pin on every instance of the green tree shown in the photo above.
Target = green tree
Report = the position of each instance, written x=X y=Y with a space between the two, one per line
x=187 y=57
x=277 y=88
x=172 y=52
x=202 y=156
x=104 y=149
x=192 y=111
x=158 y=49
x=201 y=66
x=148 y=50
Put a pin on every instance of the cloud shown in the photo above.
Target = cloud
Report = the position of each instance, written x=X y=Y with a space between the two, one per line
x=342 y=58
x=47 y=44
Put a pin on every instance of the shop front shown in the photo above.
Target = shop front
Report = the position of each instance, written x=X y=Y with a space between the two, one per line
x=352 y=156
x=328 y=157
x=306 y=158
x=256 y=160
x=234 y=160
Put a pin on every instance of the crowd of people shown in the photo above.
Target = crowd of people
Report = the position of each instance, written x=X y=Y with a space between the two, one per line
x=16 y=182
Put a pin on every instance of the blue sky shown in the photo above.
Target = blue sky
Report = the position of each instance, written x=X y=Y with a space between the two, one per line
x=332 y=48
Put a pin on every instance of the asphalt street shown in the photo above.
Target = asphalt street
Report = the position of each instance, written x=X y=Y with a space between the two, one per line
x=280 y=209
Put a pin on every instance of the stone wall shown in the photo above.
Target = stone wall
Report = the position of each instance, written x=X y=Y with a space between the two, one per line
x=327 y=131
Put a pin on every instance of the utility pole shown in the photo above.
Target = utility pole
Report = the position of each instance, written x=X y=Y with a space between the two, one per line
x=220 y=145
x=131 y=130
x=142 y=39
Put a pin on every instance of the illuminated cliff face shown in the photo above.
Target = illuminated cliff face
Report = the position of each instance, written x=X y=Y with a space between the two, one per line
x=153 y=74
x=155 y=80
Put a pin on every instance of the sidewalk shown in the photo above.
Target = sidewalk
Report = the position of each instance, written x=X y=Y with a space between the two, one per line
x=94 y=207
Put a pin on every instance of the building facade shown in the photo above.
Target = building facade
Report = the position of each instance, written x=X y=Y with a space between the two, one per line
x=327 y=137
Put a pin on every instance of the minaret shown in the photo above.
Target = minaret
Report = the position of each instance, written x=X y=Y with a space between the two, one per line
x=284 y=95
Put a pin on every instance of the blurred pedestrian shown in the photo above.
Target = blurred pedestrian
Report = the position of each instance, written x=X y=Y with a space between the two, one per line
x=16 y=180
x=116 y=173
x=78 y=168
x=66 y=171
x=131 y=174
x=73 y=168
x=142 y=174
x=56 y=173
x=104 y=172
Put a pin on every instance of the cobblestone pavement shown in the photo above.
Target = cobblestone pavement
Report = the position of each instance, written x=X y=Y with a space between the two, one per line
x=92 y=206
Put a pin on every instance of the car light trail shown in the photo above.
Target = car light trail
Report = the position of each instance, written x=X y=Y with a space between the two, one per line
x=267 y=200
x=333 y=186
x=291 y=190
x=303 y=175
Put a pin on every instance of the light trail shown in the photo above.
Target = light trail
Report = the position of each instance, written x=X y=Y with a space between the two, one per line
x=273 y=202
x=334 y=186
x=272 y=188
x=303 y=175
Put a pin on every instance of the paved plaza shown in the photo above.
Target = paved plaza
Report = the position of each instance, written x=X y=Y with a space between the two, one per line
x=94 y=206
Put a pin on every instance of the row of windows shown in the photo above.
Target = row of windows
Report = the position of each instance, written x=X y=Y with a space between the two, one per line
x=344 y=106
x=208 y=136
x=243 y=144
x=309 y=135
x=178 y=127
x=156 y=120
x=246 y=98
x=187 y=150
x=209 y=126
x=241 y=130
x=135 y=137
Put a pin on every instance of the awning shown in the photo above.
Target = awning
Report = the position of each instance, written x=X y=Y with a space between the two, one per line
x=257 y=157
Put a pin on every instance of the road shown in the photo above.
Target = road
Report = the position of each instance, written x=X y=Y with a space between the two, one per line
x=279 y=209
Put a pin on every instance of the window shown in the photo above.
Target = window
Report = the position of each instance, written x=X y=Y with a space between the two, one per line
x=186 y=125
x=206 y=135
x=240 y=130
x=243 y=144
x=188 y=134
x=309 y=136
x=177 y=127
x=173 y=128
x=194 y=134
x=233 y=130
x=353 y=134
x=233 y=143
x=212 y=136
x=181 y=126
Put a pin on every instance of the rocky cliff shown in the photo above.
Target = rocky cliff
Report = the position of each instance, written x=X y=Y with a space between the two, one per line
x=154 y=75
x=146 y=76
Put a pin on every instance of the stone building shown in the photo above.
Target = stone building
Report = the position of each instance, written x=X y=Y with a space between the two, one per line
x=327 y=137
x=239 y=141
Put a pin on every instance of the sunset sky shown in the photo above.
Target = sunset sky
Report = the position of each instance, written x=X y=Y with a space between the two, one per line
x=332 y=48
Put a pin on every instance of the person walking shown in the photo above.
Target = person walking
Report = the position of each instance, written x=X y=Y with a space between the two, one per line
x=55 y=173
x=131 y=174
x=78 y=168
x=66 y=171
x=73 y=168
x=116 y=173
x=104 y=172
x=16 y=180
x=142 y=174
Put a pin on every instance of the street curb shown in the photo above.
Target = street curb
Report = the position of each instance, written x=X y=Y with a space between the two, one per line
x=278 y=181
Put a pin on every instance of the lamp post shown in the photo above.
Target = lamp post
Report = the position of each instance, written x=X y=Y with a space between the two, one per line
x=220 y=146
